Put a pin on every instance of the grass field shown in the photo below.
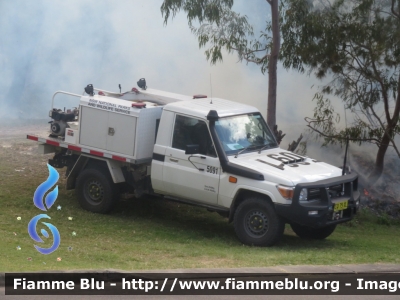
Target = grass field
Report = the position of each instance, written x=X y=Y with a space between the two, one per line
x=156 y=234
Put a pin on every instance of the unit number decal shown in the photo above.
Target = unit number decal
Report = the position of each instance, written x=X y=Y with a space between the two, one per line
x=293 y=160
x=212 y=170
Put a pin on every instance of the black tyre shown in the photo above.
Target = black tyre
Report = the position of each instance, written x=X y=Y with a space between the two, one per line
x=313 y=233
x=96 y=191
x=257 y=223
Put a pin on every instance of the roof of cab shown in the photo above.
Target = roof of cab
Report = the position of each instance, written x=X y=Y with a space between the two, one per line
x=201 y=107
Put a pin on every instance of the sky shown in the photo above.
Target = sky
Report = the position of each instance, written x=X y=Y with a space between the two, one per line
x=51 y=45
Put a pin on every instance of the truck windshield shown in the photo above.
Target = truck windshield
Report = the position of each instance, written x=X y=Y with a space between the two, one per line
x=244 y=133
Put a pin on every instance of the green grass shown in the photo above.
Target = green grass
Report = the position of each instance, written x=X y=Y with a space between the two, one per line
x=156 y=234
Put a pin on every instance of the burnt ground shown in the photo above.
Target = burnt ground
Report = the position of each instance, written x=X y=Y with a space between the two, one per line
x=382 y=198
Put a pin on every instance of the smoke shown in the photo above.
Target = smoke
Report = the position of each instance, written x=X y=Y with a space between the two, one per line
x=51 y=45
x=48 y=45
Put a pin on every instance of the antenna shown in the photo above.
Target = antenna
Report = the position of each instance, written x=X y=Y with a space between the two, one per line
x=119 y=85
x=211 y=89
x=347 y=143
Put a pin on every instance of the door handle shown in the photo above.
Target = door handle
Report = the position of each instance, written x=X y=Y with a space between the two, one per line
x=174 y=160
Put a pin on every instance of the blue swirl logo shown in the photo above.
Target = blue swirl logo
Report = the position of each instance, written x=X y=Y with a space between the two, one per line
x=44 y=187
x=39 y=203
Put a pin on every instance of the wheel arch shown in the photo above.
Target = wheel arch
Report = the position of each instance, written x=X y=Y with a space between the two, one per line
x=243 y=194
x=85 y=161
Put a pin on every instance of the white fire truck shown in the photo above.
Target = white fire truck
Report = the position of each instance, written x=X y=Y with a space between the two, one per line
x=212 y=153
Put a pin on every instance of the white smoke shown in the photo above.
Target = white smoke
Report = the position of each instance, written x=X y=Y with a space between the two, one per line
x=48 y=45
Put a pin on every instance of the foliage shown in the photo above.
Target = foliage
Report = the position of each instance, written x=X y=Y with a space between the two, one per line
x=234 y=34
x=199 y=10
x=357 y=46
x=223 y=29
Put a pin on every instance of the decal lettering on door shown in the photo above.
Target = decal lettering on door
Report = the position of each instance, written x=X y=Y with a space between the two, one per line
x=209 y=188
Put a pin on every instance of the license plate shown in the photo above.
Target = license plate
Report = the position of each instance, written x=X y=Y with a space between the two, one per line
x=341 y=205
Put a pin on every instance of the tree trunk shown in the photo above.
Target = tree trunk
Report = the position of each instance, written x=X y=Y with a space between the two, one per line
x=272 y=66
x=380 y=159
x=392 y=123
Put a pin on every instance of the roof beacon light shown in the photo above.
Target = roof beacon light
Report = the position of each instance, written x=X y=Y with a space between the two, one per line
x=139 y=105
x=101 y=93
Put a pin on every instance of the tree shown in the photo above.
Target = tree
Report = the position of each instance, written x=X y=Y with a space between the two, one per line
x=225 y=29
x=356 y=45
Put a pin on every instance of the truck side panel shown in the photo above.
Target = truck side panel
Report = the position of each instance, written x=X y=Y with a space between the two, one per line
x=114 y=167
x=146 y=131
x=163 y=140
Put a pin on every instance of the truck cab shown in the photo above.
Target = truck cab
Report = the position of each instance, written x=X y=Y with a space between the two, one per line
x=223 y=155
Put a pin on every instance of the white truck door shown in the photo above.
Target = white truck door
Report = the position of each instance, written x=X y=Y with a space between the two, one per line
x=196 y=176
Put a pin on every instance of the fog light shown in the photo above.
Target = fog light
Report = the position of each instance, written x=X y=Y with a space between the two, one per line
x=303 y=195
x=313 y=212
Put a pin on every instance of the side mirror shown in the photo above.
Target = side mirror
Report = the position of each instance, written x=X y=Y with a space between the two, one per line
x=192 y=149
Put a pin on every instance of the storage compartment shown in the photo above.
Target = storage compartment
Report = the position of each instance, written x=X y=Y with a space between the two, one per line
x=108 y=131
x=121 y=133
x=119 y=127
x=93 y=128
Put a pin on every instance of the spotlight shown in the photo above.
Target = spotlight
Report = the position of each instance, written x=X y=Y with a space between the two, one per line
x=142 y=83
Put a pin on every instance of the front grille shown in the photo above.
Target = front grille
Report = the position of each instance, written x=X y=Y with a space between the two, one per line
x=334 y=191
x=331 y=189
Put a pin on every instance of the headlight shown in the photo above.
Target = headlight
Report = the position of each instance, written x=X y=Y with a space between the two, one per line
x=286 y=191
x=303 y=195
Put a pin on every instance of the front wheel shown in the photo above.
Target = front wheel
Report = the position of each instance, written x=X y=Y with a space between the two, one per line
x=257 y=223
x=96 y=191
x=313 y=233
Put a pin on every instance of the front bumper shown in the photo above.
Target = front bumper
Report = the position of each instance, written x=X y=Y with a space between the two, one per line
x=322 y=210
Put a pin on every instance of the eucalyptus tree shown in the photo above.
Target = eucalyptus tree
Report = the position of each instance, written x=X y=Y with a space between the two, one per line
x=218 y=26
x=355 y=45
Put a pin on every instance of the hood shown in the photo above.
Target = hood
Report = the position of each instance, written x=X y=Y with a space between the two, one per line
x=286 y=167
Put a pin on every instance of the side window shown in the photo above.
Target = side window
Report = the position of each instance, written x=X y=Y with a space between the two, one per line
x=191 y=131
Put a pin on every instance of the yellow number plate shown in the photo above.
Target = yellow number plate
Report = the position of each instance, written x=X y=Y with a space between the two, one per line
x=341 y=206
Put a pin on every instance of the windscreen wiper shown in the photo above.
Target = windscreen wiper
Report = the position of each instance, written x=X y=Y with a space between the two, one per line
x=244 y=149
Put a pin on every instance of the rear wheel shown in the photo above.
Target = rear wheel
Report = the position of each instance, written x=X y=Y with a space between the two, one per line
x=257 y=223
x=306 y=232
x=96 y=191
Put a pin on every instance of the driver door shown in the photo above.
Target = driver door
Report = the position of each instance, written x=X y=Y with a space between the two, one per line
x=194 y=177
